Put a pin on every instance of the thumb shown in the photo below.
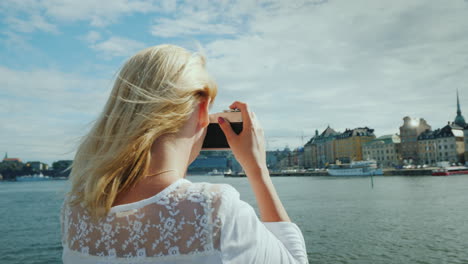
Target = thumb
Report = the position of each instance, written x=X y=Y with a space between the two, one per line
x=226 y=127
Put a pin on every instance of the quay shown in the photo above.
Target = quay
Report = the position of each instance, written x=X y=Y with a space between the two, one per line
x=387 y=172
x=409 y=172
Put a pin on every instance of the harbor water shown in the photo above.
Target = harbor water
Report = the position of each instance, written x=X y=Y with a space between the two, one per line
x=344 y=220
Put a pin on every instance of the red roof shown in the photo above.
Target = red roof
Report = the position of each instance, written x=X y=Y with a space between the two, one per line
x=12 y=159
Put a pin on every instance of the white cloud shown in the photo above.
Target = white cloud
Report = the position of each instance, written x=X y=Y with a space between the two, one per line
x=35 y=22
x=44 y=112
x=45 y=15
x=98 y=13
x=92 y=36
x=204 y=18
x=303 y=66
x=118 y=46
x=165 y=27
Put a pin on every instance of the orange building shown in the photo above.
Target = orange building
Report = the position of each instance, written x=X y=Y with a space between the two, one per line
x=348 y=145
x=6 y=159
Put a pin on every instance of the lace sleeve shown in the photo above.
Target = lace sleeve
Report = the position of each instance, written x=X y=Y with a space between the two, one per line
x=245 y=239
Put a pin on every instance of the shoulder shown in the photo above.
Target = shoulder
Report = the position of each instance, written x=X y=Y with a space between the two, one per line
x=213 y=190
x=221 y=196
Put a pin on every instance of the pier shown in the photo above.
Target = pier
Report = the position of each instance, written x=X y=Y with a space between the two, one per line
x=387 y=172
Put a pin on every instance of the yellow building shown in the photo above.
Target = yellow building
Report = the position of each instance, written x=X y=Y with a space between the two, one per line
x=385 y=150
x=348 y=145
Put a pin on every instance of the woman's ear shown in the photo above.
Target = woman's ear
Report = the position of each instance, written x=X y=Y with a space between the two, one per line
x=203 y=115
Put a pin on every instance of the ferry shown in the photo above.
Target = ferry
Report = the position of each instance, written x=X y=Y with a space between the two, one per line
x=356 y=168
x=215 y=172
x=454 y=170
x=34 y=177
x=234 y=174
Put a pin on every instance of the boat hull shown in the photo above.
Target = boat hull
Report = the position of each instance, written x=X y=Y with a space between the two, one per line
x=32 y=179
x=355 y=172
x=447 y=173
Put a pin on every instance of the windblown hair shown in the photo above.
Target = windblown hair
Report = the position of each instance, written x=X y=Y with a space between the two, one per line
x=154 y=94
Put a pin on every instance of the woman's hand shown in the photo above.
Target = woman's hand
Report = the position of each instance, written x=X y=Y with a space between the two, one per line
x=249 y=149
x=249 y=145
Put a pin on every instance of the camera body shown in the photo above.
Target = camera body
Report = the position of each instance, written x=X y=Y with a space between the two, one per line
x=215 y=138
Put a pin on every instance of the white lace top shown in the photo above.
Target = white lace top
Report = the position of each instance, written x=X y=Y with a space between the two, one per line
x=185 y=223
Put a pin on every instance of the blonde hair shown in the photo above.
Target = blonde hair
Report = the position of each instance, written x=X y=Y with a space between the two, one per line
x=154 y=94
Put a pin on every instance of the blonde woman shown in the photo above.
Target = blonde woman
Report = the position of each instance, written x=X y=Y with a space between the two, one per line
x=130 y=201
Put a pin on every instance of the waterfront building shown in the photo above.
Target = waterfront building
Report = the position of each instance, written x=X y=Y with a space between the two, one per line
x=465 y=132
x=203 y=164
x=348 y=145
x=428 y=147
x=385 y=150
x=444 y=144
x=299 y=157
x=36 y=165
x=6 y=159
x=409 y=133
x=325 y=147
x=271 y=158
x=310 y=152
x=286 y=161
x=293 y=159
x=460 y=121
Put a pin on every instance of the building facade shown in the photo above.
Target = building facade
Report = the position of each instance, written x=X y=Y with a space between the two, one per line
x=272 y=159
x=37 y=165
x=6 y=159
x=444 y=144
x=310 y=152
x=428 y=148
x=348 y=145
x=460 y=121
x=325 y=147
x=465 y=132
x=385 y=150
x=409 y=133
x=204 y=164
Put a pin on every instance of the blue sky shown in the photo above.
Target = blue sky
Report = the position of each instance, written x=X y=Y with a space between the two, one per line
x=301 y=65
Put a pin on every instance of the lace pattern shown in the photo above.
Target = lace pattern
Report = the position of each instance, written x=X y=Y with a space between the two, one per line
x=182 y=219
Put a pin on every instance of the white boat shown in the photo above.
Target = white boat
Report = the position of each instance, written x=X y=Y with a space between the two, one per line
x=34 y=177
x=230 y=173
x=215 y=172
x=356 y=168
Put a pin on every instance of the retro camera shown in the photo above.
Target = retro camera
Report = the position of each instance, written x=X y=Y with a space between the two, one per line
x=215 y=138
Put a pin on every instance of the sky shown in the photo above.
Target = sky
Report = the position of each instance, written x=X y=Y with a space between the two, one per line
x=300 y=65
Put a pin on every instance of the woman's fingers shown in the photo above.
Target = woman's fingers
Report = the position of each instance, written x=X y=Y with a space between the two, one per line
x=227 y=129
x=246 y=118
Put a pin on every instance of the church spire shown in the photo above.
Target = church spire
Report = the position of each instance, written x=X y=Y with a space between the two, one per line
x=6 y=155
x=459 y=120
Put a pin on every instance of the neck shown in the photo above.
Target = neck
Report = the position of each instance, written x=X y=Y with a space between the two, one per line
x=170 y=155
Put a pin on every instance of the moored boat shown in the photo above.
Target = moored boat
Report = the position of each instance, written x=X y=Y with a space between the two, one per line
x=215 y=172
x=34 y=177
x=454 y=170
x=356 y=168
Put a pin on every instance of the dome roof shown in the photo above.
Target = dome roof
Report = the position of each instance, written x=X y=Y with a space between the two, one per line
x=460 y=120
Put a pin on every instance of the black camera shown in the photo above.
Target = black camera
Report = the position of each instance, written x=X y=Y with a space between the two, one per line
x=215 y=138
